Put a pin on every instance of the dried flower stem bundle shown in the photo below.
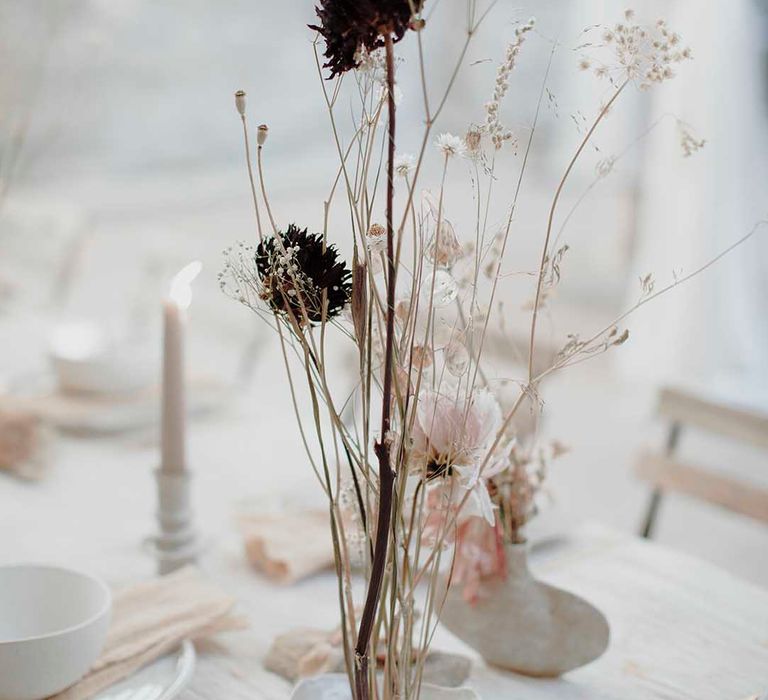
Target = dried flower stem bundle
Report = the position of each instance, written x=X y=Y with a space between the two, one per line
x=424 y=464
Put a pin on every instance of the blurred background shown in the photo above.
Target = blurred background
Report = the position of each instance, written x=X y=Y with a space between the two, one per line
x=121 y=161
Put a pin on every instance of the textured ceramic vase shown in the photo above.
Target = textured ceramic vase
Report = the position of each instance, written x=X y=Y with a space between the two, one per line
x=335 y=686
x=526 y=626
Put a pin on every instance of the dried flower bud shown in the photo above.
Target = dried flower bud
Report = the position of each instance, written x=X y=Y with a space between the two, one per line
x=240 y=102
x=261 y=134
x=472 y=140
x=377 y=238
x=622 y=338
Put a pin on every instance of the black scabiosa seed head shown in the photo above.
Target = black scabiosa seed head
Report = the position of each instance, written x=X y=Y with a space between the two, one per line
x=295 y=268
x=348 y=25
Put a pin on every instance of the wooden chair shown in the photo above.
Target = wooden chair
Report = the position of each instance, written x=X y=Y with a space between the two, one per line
x=683 y=408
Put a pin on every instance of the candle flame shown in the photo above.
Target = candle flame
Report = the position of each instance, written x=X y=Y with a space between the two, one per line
x=181 y=284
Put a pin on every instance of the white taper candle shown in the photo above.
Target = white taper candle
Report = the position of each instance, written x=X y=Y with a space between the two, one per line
x=173 y=432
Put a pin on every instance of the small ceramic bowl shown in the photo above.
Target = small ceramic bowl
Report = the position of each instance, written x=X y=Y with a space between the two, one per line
x=87 y=360
x=53 y=623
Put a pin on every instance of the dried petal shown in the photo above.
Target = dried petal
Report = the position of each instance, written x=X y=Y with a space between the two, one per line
x=456 y=358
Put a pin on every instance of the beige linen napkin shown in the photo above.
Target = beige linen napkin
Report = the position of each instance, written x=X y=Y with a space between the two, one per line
x=288 y=547
x=22 y=443
x=149 y=620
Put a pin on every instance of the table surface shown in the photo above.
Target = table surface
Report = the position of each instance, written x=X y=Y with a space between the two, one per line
x=680 y=628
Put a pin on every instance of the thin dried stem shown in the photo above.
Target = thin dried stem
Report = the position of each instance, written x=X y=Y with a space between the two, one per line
x=383 y=446
x=550 y=220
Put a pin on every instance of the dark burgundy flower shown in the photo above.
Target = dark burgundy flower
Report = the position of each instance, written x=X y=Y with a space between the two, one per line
x=295 y=272
x=348 y=25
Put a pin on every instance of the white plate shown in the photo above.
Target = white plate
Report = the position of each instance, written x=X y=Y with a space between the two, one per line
x=162 y=680
x=95 y=414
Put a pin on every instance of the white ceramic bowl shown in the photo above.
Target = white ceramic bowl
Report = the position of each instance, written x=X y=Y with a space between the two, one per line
x=106 y=374
x=53 y=623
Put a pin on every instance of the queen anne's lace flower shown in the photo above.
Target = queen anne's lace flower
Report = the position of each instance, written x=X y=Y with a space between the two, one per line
x=631 y=51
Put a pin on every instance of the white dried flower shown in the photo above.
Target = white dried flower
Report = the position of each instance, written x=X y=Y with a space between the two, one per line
x=451 y=145
x=261 y=134
x=404 y=164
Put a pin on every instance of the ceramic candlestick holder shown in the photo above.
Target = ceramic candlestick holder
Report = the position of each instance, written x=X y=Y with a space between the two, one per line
x=176 y=543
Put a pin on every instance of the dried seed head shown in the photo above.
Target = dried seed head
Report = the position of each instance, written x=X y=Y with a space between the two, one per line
x=240 y=102
x=444 y=248
x=261 y=134
x=499 y=135
x=622 y=338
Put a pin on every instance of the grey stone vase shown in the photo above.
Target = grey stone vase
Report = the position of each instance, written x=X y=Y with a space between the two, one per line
x=526 y=626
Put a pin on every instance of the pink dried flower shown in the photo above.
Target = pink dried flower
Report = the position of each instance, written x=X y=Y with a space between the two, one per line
x=450 y=441
x=479 y=557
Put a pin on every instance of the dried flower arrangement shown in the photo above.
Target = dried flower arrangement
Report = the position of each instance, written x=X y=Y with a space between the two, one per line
x=428 y=474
